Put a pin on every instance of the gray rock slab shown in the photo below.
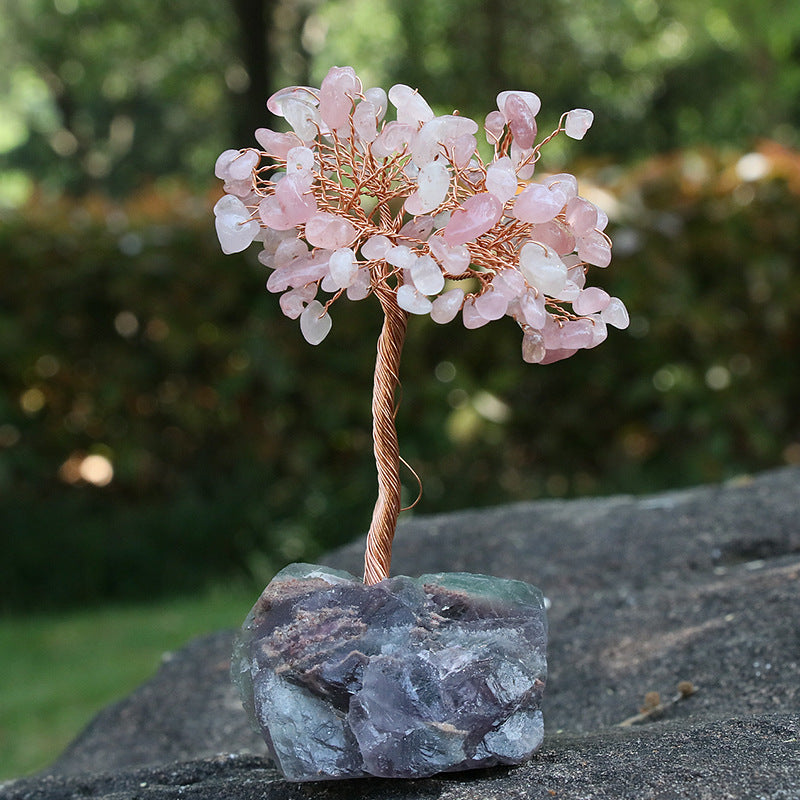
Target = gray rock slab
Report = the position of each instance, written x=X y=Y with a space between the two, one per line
x=751 y=758
x=701 y=585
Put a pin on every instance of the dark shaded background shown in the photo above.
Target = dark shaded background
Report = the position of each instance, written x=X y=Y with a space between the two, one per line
x=129 y=343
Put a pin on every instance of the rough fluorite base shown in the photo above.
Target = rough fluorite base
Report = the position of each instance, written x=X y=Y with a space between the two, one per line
x=403 y=679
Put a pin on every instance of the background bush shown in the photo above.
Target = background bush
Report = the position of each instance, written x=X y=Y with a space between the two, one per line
x=236 y=447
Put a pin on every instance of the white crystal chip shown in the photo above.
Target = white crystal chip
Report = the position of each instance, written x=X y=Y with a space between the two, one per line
x=447 y=305
x=410 y=104
x=578 y=121
x=343 y=267
x=542 y=268
x=235 y=229
x=433 y=181
x=427 y=275
x=616 y=314
x=411 y=300
x=501 y=179
x=315 y=322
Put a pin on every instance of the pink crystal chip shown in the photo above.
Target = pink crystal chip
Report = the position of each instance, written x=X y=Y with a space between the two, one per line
x=329 y=231
x=477 y=215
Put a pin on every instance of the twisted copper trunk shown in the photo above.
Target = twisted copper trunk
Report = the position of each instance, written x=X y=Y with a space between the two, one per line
x=387 y=453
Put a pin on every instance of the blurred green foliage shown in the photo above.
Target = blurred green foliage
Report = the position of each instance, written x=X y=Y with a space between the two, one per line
x=97 y=95
x=237 y=447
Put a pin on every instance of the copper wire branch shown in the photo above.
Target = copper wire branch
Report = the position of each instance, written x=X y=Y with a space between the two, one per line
x=387 y=453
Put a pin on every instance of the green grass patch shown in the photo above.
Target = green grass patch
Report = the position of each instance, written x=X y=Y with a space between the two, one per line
x=60 y=670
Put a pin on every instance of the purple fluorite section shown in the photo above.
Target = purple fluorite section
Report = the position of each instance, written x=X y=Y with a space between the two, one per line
x=403 y=679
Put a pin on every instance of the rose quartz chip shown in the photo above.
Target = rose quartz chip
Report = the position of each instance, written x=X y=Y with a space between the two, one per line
x=446 y=306
x=542 y=268
x=315 y=322
x=454 y=259
x=329 y=231
x=361 y=285
x=576 y=334
x=434 y=182
x=471 y=317
x=300 y=164
x=286 y=208
x=477 y=215
x=377 y=96
x=428 y=143
x=533 y=349
x=410 y=104
x=581 y=216
x=494 y=124
x=376 y=247
x=510 y=284
x=462 y=149
x=578 y=121
x=243 y=190
x=520 y=120
x=501 y=179
x=491 y=304
x=288 y=250
x=416 y=230
x=563 y=184
x=537 y=204
x=569 y=293
x=304 y=94
x=532 y=309
x=237 y=165
x=272 y=240
x=523 y=161
x=427 y=275
x=409 y=299
x=590 y=301
x=343 y=267
x=299 y=272
x=401 y=256
x=303 y=117
x=277 y=144
x=336 y=95
x=294 y=301
x=531 y=100
x=394 y=138
x=290 y=206
x=554 y=234
x=599 y=331
x=223 y=163
x=557 y=355
x=365 y=121
x=235 y=229
x=594 y=249
x=616 y=314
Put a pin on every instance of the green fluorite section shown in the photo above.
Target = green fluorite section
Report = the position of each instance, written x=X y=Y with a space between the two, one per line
x=406 y=678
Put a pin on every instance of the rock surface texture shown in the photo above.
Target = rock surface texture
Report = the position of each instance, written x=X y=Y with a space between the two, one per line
x=403 y=679
x=698 y=585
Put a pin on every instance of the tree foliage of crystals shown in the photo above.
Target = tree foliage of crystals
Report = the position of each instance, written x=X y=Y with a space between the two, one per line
x=437 y=218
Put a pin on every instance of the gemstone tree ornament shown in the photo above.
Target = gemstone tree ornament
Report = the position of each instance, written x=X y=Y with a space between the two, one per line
x=402 y=677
